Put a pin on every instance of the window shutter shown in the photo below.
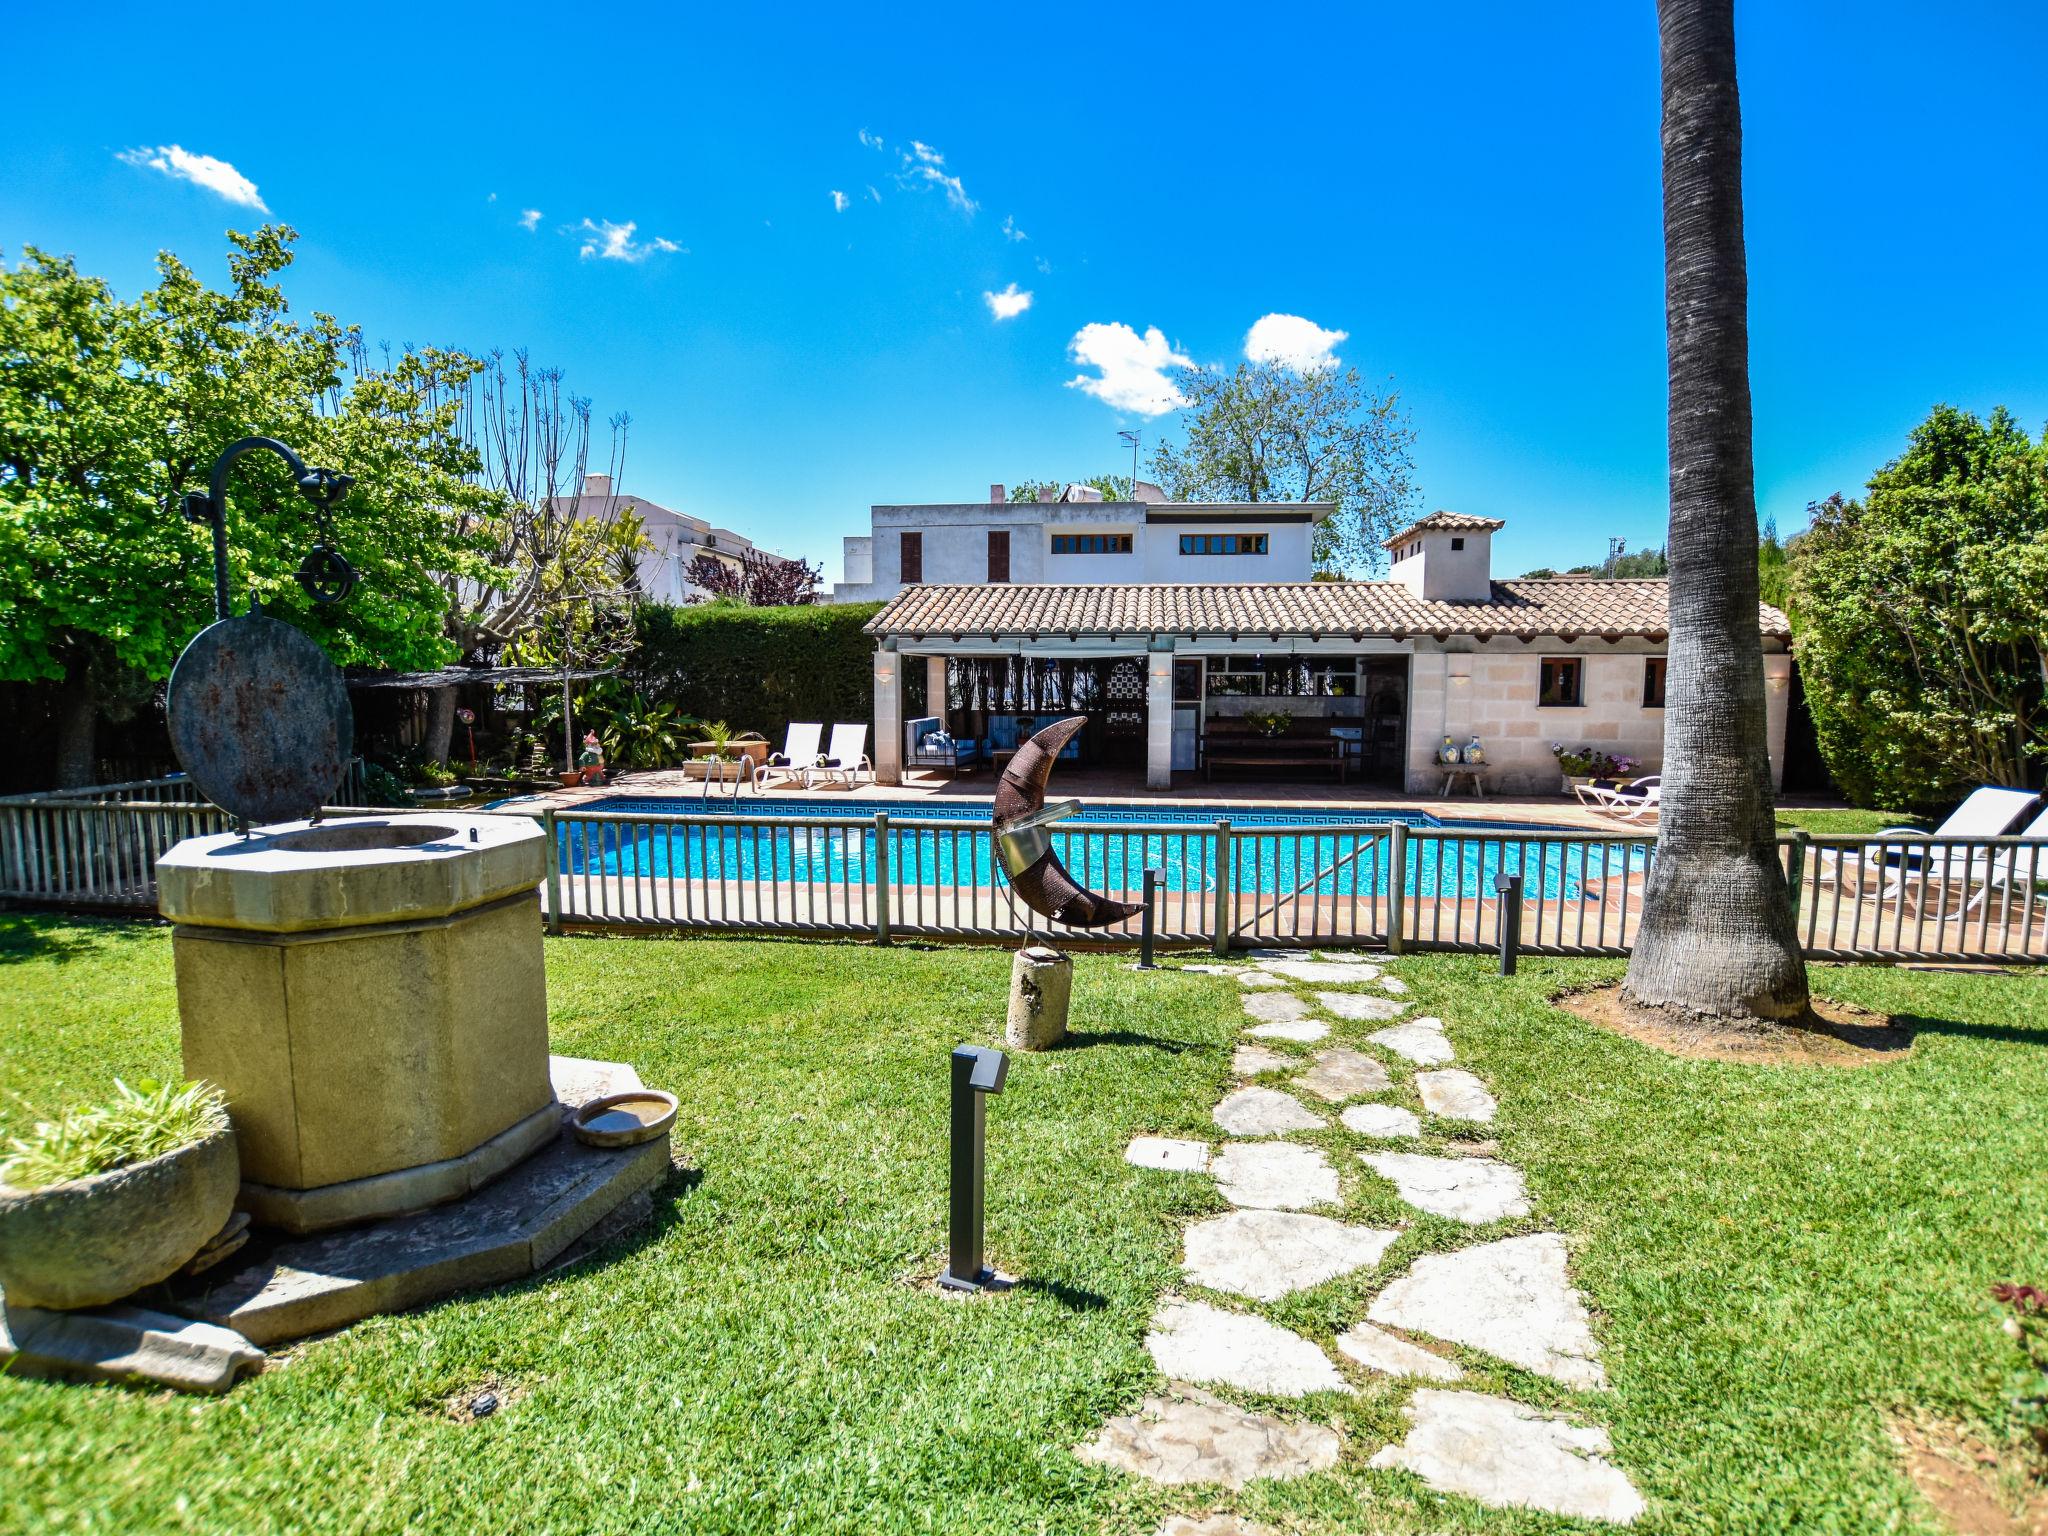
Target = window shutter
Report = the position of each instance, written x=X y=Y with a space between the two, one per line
x=999 y=554
x=913 y=558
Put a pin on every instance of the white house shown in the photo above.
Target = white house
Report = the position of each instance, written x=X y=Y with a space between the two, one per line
x=1079 y=539
x=677 y=537
x=1373 y=674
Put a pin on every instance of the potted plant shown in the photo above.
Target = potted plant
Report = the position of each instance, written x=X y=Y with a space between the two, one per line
x=1577 y=764
x=1271 y=725
x=101 y=1202
x=722 y=744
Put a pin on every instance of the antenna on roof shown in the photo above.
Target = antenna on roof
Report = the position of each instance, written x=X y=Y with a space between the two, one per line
x=1616 y=548
x=1132 y=437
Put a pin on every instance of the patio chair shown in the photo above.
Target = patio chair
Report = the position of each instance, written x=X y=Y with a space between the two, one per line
x=2009 y=871
x=1601 y=797
x=799 y=751
x=1988 y=811
x=1635 y=808
x=846 y=757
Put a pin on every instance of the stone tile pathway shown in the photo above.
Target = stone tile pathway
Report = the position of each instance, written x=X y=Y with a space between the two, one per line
x=1511 y=1298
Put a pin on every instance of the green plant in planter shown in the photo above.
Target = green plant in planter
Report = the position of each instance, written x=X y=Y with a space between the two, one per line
x=719 y=737
x=1275 y=723
x=140 y=1124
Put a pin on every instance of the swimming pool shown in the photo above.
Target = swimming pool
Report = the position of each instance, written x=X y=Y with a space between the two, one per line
x=1106 y=847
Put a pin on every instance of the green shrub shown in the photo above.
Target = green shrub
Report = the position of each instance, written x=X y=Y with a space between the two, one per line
x=759 y=668
x=140 y=1124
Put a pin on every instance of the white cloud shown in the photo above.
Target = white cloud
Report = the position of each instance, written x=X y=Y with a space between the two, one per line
x=926 y=153
x=529 y=218
x=871 y=140
x=1010 y=229
x=840 y=201
x=924 y=168
x=615 y=242
x=1043 y=265
x=1132 y=368
x=217 y=176
x=1292 y=342
x=873 y=194
x=1008 y=304
x=492 y=198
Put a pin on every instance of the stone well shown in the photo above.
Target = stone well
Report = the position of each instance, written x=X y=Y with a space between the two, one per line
x=370 y=994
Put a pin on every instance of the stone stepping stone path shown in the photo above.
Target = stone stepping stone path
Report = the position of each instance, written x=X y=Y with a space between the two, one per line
x=1474 y=1190
x=1510 y=1298
x=1192 y=1437
x=1301 y=1032
x=1387 y=1121
x=1275 y=1007
x=1421 y=1041
x=1395 y=985
x=1210 y=1525
x=1274 y=1175
x=1378 y=1350
x=1260 y=979
x=1509 y=1456
x=1342 y=1074
x=1361 y=1005
x=1251 y=1060
x=1455 y=1094
x=1269 y=1254
x=1193 y=1341
x=1168 y=1152
x=1265 y=1112
x=1323 y=971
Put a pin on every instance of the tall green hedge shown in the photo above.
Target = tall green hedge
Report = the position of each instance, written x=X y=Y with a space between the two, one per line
x=757 y=668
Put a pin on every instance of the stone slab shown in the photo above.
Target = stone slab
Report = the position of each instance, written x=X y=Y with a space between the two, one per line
x=1192 y=1437
x=1264 y=1112
x=1251 y=1060
x=1260 y=979
x=1170 y=1153
x=1394 y=985
x=1361 y=1005
x=1474 y=1190
x=1267 y=1254
x=124 y=1344
x=1389 y=1122
x=517 y=1225
x=1511 y=1298
x=1275 y=1007
x=1455 y=1094
x=1342 y=1074
x=1378 y=1350
x=1421 y=1041
x=1193 y=1341
x=1324 y=972
x=1508 y=1455
x=1301 y=1031
x=1274 y=1175
x=1211 y=1525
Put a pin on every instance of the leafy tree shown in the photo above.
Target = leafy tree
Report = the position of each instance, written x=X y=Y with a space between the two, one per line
x=1113 y=487
x=110 y=408
x=1264 y=432
x=1923 y=609
x=759 y=581
x=1717 y=938
x=1774 y=568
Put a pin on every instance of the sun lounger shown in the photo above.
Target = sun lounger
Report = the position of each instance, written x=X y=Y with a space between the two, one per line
x=799 y=751
x=845 y=757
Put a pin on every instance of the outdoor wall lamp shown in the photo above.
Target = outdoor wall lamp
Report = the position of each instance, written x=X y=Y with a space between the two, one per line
x=325 y=575
x=978 y=1071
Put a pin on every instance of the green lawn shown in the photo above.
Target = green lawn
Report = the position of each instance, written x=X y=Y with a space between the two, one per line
x=1845 y=819
x=1777 y=1259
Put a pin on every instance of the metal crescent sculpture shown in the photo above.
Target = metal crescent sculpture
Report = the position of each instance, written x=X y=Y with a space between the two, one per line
x=1025 y=848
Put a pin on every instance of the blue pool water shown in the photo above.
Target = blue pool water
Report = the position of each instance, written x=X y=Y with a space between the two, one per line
x=1106 y=847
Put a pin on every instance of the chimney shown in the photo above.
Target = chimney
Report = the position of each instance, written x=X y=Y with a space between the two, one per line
x=1047 y=493
x=597 y=485
x=995 y=493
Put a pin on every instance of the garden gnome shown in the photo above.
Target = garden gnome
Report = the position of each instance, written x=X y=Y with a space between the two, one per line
x=592 y=759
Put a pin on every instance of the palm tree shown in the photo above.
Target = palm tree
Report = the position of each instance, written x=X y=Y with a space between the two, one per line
x=1717 y=936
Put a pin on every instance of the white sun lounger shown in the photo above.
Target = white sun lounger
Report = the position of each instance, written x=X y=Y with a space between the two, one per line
x=799 y=751
x=846 y=757
x=1603 y=797
x=1989 y=811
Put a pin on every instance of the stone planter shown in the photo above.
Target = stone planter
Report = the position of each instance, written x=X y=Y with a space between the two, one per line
x=754 y=752
x=92 y=1241
x=1572 y=781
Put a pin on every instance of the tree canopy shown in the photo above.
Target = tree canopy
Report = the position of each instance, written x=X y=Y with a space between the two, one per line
x=1265 y=432
x=1923 y=616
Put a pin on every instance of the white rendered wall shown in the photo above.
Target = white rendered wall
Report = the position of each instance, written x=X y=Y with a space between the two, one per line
x=1443 y=574
x=1287 y=558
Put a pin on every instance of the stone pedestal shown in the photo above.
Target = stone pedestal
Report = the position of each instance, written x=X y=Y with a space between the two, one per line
x=1041 y=987
x=370 y=994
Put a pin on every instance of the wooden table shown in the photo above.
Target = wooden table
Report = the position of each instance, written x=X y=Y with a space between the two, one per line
x=1273 y=752
x=1472 y=773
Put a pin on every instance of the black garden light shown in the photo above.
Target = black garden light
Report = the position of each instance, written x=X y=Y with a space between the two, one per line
x=978 y=1072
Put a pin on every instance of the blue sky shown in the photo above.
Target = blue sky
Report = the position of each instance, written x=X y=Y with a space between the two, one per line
x=1469 y=193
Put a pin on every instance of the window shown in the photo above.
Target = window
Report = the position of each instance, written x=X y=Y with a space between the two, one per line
x=999 y=554
x=912 y=568
x=1559 y=681
x=1223 y=543
x=1294 y=677
x=1091 y=543
x=1187 y=682
x=1653 y=682
x=1457 y=543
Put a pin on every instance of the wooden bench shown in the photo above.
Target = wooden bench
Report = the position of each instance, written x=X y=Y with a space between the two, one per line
x=1280 y=752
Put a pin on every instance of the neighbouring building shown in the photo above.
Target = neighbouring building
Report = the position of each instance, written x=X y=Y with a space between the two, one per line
x=1165 y=670
x=1077 y=538
x=677 y=539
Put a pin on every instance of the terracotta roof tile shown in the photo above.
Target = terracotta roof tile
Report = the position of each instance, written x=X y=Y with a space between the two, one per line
x=1566 y=607
x=1454 y=522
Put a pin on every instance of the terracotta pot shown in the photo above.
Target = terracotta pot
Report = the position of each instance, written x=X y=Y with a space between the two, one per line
x=569 y=780
x=91 y=1241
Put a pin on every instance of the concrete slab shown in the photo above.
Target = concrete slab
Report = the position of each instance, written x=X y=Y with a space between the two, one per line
x=1274 y=1175
x=1454 y=1094
x=1264 y=1112
x=1361 y=1005
x=1168 y=1153
x=1270 y=1254
x=123 y=1344
x=1474 y=1190
x=1511 y=1456
x=1193 y=1341
x=1378 y=1350
x=1342 y=1074
x=1511 y=1298
x=1421 y=1041
x=1389 y=1122
x=1188 y=1436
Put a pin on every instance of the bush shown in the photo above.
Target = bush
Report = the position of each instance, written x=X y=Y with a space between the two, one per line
x=757 y=667
x=139 y=1125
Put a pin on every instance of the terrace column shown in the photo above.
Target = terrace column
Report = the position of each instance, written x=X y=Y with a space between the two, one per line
x=935 y=689
x=1777 y=703
x=1159 y=715
x=888 y=714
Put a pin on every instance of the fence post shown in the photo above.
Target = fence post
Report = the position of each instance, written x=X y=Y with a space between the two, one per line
x=1508 y=913
x=881 y=877
x=1397 y=886
x=547 y=822
x=1226 y=907
x=1795 y=866
x=1145 y=930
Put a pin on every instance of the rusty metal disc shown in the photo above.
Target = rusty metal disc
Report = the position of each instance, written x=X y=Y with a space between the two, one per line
x=260 y=719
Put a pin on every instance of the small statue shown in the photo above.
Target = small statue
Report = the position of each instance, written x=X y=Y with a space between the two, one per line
x=1447 y=754
x=591 y=762
x=1474 y=753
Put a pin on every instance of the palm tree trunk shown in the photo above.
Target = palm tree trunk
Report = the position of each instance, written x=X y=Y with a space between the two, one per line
x=1717 y=935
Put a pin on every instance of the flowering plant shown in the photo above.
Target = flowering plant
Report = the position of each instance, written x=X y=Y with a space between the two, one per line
x=1592 y=761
